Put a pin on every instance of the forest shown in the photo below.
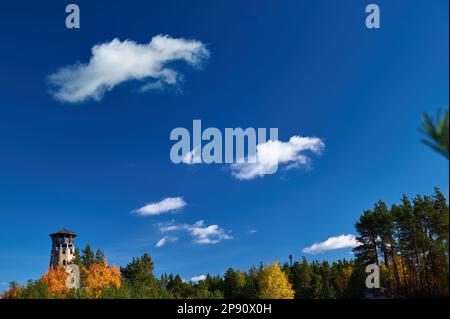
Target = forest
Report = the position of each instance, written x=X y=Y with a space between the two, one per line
x=409 y=242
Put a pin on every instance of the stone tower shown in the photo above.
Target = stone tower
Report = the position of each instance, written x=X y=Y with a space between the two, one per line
x=63 y=248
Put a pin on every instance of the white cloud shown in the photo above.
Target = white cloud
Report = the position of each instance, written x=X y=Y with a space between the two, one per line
x=198 y=278
x=158 y=85
x=192 y=157
x=211 y=234
x=164 y=229
x=200 y=233
x=271 y=154
x=332 y=243
x=166 y=205
x=252 y=231
x=166 y=240
x=118 y=61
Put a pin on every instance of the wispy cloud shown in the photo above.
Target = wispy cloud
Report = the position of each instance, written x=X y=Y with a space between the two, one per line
x=166 y=240
x=116 y=62
x=332 y=243
x=271 y=154
x=167 y=205
x=199 y=232
x=198 y=278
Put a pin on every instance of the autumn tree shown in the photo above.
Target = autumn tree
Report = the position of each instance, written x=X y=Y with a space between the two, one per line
x=274 y=284
x=100 y=276
x=12 y=292
x=55 y=279
x=409 y=242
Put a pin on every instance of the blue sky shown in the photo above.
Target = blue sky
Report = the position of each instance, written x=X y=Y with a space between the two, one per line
x=308 y=68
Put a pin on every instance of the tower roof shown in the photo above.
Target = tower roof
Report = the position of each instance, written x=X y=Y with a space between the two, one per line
x=63 y=232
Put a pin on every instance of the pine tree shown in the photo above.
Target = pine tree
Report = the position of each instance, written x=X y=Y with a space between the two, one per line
x=367 y=252
x=176 y=286
x=436 y=132
x=88 y=257
x=139 y=273
x=99 y=257
x=406 y=233
x=302 y=279
x=229 y=283
x=77 y=260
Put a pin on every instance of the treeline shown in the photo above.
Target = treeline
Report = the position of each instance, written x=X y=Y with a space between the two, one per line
x=409 y=243
x=137 y=280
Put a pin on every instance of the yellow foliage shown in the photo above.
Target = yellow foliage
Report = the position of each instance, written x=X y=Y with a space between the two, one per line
x=273 y=283
x=55 y=278
x=99 y=276
x=12 y=292
x=402 y=271
x=240 y=279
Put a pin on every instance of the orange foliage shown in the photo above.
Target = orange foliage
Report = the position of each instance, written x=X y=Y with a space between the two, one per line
x=55 y=278
x=12 y=292
x=99 y=276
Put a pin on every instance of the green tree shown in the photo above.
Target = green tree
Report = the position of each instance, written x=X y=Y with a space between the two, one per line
x=114 y=292
x=88 y=257
x=229 y=283
x=252 y=283
x=214 y=283
x=35 y=290
x=302 y=279
x=436 y=132
x=77 y=260
x=407 y=234
x=316 y=281
x=139 y=273
x=176 y=286
x=201 y=291
x=367 y=228
x=99 y=256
